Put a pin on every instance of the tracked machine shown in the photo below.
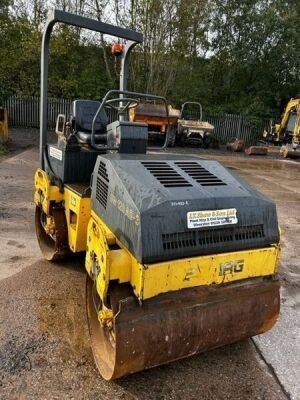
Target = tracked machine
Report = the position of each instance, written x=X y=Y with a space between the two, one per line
x=181 y=255
x=287 y=132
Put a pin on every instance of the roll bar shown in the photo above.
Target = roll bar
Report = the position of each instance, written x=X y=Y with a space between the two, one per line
x=194 y=103
x=121 y=93
x=55 y=16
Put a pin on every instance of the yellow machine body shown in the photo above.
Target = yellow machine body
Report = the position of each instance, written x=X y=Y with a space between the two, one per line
x=3 y=125
x=210 y=295
x=293 y=104
x=77 y=209
x=149 y=280
x=100 y=193
x=104 y=252
x=278 y=130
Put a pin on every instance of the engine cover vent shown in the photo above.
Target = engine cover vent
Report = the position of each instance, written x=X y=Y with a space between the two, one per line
x=102 y=171
x=165 y=174
x=102 y=185
x=207 y=237
x=200 y=174
x=101 y=192
x=178 y=240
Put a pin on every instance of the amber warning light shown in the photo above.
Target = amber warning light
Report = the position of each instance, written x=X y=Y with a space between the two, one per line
x=117 y=49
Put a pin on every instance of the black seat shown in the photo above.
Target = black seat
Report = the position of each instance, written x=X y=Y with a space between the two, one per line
x=83 y=112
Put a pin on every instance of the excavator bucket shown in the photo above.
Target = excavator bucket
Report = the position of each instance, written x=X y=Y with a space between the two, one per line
x=256 y=150
x=178 y=324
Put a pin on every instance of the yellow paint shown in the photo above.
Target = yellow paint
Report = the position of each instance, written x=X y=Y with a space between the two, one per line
x=152 y=279
x=205 y=270
x=97 y=257
x=3 y=125
x=119 y=262
x=77 y=209
x=108 y=259
x=44 y=192
x=279 y=129
x=105 y=317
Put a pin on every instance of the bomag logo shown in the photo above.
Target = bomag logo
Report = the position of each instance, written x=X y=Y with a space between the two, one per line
x=231 y=267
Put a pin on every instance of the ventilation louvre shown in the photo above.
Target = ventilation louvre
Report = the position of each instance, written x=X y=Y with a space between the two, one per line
x=102 y=171
x=178 y=240
x=204 y=238
x=200 y=174
x=102 y=185
x=165 y=174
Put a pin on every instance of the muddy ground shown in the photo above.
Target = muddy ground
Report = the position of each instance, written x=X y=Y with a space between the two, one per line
x=44 y=345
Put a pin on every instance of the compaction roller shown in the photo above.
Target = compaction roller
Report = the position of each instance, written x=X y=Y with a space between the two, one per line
x=181 y=254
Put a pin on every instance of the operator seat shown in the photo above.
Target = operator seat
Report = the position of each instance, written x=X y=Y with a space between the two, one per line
x=83 y=112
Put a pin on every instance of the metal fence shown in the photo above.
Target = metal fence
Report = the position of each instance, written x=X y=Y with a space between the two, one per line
x=230 y=126
x=24 y=112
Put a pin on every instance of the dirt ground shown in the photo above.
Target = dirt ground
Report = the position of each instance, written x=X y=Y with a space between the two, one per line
x=44 y=344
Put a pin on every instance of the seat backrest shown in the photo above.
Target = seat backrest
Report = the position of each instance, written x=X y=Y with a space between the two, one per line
x=84 y=111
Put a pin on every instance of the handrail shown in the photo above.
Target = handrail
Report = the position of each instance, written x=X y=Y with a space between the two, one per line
x=138 y=95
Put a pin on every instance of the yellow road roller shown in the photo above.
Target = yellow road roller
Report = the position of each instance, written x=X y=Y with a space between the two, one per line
x=181 y=255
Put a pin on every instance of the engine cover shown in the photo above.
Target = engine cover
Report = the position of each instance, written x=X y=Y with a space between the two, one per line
x=163 y=207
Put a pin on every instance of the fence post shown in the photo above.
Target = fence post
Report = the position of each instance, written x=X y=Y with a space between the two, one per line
x=239 y=127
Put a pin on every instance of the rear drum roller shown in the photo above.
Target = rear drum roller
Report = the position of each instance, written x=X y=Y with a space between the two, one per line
x=54 y=247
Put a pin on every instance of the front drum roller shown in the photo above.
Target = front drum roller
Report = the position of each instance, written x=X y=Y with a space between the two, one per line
x=177 y=324
x=54 y=247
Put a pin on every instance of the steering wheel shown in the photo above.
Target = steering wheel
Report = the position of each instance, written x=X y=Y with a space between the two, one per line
x=114 y=104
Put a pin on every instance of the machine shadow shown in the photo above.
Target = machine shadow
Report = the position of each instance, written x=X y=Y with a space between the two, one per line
x=225 y=373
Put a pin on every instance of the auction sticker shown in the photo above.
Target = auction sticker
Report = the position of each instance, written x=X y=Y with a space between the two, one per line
x=201 y=219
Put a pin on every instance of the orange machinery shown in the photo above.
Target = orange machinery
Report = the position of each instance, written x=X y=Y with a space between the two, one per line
x=155 y=116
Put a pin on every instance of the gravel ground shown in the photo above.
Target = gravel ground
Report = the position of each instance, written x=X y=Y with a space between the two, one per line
x=44 y=345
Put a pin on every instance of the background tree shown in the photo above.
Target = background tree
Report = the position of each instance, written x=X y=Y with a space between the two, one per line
x=232 y=55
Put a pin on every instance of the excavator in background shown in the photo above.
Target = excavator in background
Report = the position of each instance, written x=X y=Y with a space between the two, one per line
x=190 y=127
x=287 y=132
x=3 y=125
x=181 y=255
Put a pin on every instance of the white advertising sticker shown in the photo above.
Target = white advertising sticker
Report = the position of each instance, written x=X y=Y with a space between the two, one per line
x=55 y=153
x=202 y=219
